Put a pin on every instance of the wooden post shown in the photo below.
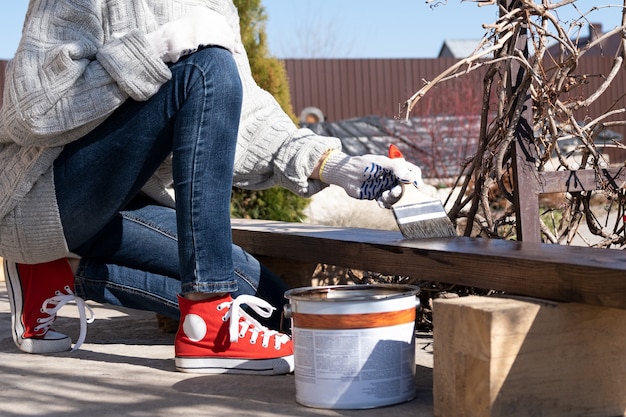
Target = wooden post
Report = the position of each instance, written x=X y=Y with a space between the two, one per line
x=499 y=357
x=525 y=175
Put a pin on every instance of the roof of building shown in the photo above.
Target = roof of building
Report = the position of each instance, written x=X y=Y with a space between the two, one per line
x=608 y=47
x=438 y=144
x=458 y=48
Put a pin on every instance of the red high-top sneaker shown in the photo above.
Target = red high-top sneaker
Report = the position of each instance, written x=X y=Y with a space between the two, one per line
x=36 y=293
x=218 y=336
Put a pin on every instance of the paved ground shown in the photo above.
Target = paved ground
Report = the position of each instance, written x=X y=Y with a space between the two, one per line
x=125 y=368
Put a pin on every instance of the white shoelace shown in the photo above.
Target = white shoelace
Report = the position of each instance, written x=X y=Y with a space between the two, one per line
x=58 y=301
x=262 y=308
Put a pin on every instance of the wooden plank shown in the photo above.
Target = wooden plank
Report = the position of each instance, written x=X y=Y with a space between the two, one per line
x=496 y=357
x=564 y=273
x=581 y=180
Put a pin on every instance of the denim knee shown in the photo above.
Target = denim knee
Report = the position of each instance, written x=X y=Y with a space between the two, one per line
x=218 y=65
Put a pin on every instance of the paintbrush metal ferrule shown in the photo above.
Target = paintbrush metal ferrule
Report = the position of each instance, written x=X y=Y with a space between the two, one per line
x=416 y=212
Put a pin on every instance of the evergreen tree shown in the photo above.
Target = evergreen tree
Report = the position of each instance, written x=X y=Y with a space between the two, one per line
x=269 y=73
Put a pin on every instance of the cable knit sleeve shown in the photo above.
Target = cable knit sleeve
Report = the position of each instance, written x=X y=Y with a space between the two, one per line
x=271 y=150
x=66 y=76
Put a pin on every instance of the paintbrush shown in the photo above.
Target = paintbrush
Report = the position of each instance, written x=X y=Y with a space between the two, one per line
x=418 y=215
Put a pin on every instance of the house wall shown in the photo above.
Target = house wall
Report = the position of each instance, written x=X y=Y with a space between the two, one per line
x=347 y=88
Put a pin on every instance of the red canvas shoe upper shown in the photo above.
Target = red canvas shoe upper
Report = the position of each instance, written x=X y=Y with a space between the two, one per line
x=40 y=291
x=219 y=327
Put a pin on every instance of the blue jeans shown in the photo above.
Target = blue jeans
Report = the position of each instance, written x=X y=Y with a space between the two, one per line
x=134 y=252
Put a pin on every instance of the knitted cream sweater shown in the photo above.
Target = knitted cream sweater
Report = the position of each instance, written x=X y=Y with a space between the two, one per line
x=79 y=61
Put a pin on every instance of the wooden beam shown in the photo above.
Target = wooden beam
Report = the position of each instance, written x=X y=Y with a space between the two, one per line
x=524 y=154
x=581 y=180
x=497 y=357
x=564 y=273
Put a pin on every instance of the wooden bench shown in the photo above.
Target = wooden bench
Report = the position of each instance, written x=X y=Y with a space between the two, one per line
x=560 y=273
x=560 y=350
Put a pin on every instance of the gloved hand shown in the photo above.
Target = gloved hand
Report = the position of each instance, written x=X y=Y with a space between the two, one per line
x=370 y=177
x=201 y=27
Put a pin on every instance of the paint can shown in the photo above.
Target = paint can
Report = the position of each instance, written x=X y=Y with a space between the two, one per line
x=354 y=344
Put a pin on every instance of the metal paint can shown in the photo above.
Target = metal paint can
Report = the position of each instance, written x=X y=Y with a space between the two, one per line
x=354 y=344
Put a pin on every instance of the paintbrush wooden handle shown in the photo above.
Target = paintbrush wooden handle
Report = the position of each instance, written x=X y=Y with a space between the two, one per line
x=412 y=194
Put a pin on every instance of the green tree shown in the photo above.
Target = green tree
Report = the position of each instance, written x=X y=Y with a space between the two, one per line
x=269 y=73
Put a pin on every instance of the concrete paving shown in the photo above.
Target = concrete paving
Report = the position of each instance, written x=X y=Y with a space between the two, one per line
x=126 y=368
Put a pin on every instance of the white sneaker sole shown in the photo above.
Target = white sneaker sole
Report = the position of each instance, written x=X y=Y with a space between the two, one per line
x=199 y=365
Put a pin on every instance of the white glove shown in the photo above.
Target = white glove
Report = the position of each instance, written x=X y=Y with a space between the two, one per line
x=370 y=177
x=201 y=27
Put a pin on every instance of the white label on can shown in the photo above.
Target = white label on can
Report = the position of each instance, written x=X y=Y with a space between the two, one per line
x=361 y=368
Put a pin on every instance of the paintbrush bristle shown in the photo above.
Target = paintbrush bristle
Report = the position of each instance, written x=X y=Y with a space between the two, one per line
x=428 y=229
x=423 y=220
